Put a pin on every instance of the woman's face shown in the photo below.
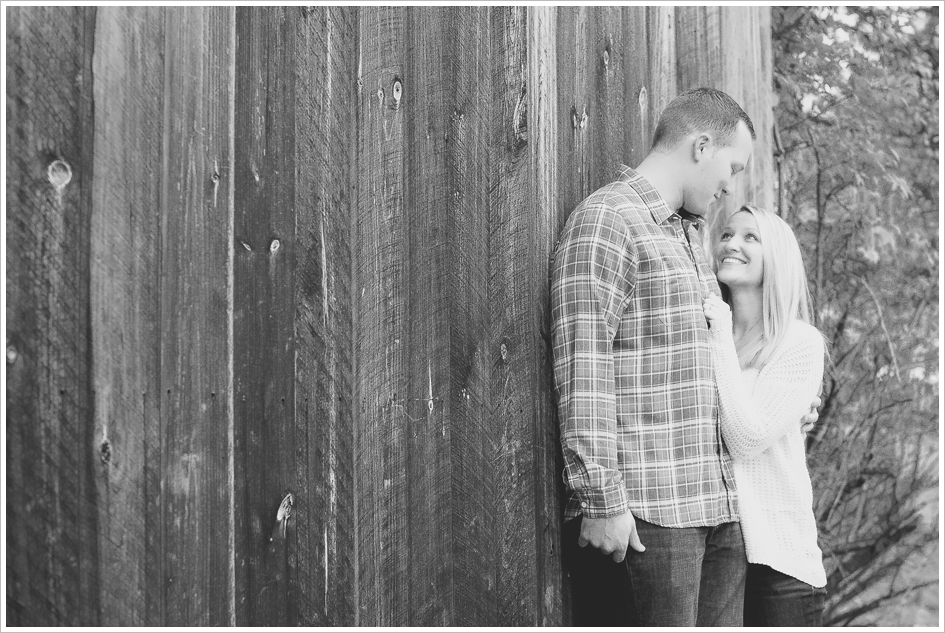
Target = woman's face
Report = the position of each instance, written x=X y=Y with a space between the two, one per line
x=738 y=252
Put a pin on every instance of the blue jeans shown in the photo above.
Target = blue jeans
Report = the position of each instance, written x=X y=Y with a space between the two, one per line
x=776 y=599
x=686 y=577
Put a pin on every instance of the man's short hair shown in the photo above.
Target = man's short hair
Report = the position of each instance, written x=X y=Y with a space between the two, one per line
x=700 y=110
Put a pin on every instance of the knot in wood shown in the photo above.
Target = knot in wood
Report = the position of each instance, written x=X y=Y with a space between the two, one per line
x=105 y=451
x=274 y=246
x=397 y=91
x=642 y=99
x=59 y=173
x=608 y=47
x=504 y=352
x=520 y=119
x=12 y=354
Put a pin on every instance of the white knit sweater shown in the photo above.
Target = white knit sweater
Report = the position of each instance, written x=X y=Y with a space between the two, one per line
x=760 y=413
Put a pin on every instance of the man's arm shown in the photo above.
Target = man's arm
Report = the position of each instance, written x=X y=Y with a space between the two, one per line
x=591 y=283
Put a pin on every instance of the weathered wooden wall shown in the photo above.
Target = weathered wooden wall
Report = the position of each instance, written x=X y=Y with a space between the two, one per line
x=272 y=250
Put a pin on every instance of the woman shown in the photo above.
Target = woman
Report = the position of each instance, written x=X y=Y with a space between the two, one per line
x=769 y=364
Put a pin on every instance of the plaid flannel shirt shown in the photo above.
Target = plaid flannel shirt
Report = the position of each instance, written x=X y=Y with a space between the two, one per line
x=636 y=389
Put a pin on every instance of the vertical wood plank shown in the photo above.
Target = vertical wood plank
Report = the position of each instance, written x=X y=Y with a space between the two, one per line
x=325 y=147
x=575 y=114
x=544 y=227
x=52 y=566
x=635 y=66
x=759 y=92
x=698 y=47
x=125 y=302
x=661 y=46
x=612 y=110
x=265 y=251
x=428 y=204
x=511 y=395
x=529 y=582
x=730 y=77
x=461 y=231
x=195 y=311
x=380 y=324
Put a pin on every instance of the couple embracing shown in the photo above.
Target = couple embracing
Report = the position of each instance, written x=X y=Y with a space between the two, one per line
x=685 y=381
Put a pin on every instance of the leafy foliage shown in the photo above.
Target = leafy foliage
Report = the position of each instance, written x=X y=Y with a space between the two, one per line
x=857 y=166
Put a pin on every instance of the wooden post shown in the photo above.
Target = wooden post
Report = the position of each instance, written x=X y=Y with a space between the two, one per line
x=52 y=565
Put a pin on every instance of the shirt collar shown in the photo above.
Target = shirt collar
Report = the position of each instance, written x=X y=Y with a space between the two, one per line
x=654 y=201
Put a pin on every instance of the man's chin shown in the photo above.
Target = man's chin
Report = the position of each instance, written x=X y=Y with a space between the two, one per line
x=699 y=211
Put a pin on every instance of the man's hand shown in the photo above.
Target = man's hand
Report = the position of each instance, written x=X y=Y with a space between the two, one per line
x=807 y=422
x=611 y=535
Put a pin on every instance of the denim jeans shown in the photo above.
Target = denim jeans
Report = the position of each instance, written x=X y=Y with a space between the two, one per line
x=686 y=577
x=776 y=599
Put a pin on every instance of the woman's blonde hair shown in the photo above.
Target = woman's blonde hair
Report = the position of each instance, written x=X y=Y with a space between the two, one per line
x=784 y=294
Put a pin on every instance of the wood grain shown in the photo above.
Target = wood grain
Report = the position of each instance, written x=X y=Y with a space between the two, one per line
x=380 y=322
x=325 y=150
x=544 y=225
x=575 y=111
x=661 y=54
x=430 y=118
x=125 y=301
x=463 y=57
x=307 y=251
x=52 y=564
x=196 y=410
x=528 y=584
x=265 y=249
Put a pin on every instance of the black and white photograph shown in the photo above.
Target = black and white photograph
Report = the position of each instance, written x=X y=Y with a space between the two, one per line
x=471 y=315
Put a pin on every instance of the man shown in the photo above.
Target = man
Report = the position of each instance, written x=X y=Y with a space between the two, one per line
x=644 y=458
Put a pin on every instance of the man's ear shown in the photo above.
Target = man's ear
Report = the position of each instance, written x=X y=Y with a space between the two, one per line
x=701 y=146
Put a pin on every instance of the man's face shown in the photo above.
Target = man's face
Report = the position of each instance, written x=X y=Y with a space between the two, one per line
x=715 y=171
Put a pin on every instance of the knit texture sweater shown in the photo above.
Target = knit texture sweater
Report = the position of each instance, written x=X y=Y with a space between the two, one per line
x=760 y=413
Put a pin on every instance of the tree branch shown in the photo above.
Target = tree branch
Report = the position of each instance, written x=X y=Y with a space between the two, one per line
x=852 y=614
x=882 y=322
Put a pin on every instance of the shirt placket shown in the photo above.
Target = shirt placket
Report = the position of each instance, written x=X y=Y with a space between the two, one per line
x=684 y=225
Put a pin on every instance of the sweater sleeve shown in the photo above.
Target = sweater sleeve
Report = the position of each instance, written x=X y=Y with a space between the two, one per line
x=783 y=392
